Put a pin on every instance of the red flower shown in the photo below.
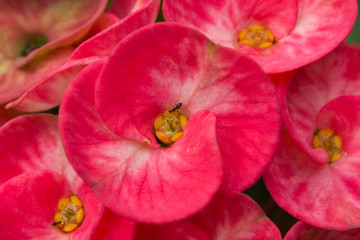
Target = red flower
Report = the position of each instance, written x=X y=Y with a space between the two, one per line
x=315 y=174
x=35 y=176
x=37 y=37
x=281 y=35
x=101 y=39
x=108 y=121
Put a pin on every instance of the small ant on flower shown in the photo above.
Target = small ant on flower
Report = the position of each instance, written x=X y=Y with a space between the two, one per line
x=177 y=106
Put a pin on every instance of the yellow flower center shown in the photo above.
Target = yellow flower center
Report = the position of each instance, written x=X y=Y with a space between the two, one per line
x=256 y=36
x=70 y=214
x=169 y=126
x=331 y=143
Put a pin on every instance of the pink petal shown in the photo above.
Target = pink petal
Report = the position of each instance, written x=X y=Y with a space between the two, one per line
x=62 y=22
x=124 y=8
x=302 y=231
x=235 y=216
x=325 y=196
x=202 y=76
x=31 y=142
x=300 y=27
x=49 y=92
x=28 y=204
x=321 y=26
x=230 y=215
x=153 y=185
x=342 y=115
x=222 y=20
x=113 y=226
x=103 y=43
x=6 y=115
x=15 y=81
x=105 y=20
x=312 y=87
x=181 y=230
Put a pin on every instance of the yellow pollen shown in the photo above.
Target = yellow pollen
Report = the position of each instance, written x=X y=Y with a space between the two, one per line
x=331 y=143
x=169 y=126
x=70 y=214
x=256 y=36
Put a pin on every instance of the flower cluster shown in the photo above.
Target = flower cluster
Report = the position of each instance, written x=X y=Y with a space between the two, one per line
x=168 y=110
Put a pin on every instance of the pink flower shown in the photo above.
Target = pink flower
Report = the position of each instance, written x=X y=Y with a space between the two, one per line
x=302 y=231
x=102 y=38
x=108 y=122
x=230 y=215
x=279 y=35
x=35 y=177
x=37 y=37
x=315 y=174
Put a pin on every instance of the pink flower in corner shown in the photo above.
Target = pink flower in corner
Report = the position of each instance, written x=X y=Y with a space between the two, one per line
x=230 y=215
x=281 y=35
x=101 y=39
x=225 y=124
x=315 y=174
x=303 y=231
x=37 y=37
x=41 y=195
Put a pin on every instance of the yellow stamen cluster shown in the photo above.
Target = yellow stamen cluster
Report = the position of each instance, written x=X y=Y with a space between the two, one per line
x=169 y=127
x=70 y=214
x=331 y=143
x=256 y=36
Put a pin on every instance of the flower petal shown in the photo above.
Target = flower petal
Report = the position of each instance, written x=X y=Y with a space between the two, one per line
x=311 y=88
x=15 y=82
x=103 y=43
x=112 y=226
x=62 y=22
x=6 y=115
x=233 y=215
x=342 y=116
x=153 y=185
x=49 y=92
x=180 y=230
x=28 y=203
x=222 y=20
x=303 y=231
x=317 y=32
x=164 y=64
x=31 y=142
x=321 y=195
x=124 y=8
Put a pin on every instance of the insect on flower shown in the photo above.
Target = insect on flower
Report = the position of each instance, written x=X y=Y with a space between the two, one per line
x=177 y=106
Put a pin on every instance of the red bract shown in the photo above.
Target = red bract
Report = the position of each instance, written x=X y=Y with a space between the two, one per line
x=298 y=29
x=108 y=30
x=108 y=134
x=36 y=38
x=34 y=176
x=230 y=215
x=113 y=227
x=302 y=231
x=6 y=115
x=314 y=184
